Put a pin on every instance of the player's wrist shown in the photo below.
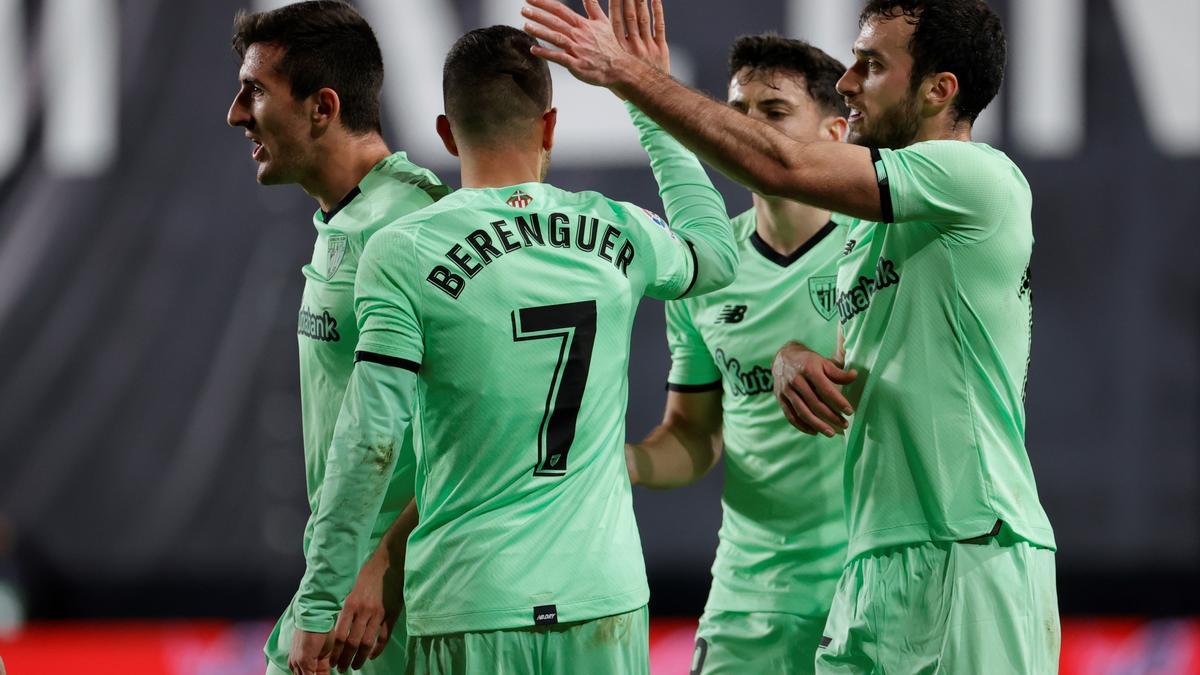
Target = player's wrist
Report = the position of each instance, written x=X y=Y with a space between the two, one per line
x=628 y=76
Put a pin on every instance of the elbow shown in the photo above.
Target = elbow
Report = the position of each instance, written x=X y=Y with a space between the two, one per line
x=727 y=264
x=717 y=256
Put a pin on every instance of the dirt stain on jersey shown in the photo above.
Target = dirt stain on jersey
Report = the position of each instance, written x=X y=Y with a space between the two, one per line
x=381 y=456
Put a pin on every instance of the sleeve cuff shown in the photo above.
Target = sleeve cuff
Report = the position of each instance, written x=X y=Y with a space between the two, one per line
x=385 y=360
x=885 y=189
x=693 y=388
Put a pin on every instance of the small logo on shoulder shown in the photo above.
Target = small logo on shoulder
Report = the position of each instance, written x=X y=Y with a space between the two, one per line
x=850 y=244
x=519 y=199
x=825 y=640
x=657 y=219
x=732 y=314
x=544 y=615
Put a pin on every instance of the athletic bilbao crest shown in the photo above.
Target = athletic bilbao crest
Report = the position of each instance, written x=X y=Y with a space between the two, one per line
x=519 y=199
x=337 y=252
x=823 y=292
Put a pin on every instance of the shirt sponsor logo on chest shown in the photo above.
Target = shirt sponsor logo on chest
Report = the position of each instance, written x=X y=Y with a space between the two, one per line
x=856 y=299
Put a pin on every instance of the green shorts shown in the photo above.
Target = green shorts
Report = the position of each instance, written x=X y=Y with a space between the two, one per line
x=729 y=643
x=617 y=644
x=392 y=660
x=946 y=608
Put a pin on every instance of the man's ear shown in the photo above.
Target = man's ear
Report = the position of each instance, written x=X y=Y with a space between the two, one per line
x=940 y=90
x=834 y=128
x=447 y=135
x=327 y=107
x=549 y=121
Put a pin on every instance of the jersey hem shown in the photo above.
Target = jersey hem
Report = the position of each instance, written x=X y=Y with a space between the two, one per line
x=522 y=617
x=754 y=603
x=919 y=533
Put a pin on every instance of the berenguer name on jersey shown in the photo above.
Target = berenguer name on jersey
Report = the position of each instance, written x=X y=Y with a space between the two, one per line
x=484 y=246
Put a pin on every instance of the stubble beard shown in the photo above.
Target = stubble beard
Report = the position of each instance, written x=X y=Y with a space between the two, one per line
x=894 y=128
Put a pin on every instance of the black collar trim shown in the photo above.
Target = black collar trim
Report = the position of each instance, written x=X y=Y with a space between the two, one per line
x=326 y=215
x=786 y=260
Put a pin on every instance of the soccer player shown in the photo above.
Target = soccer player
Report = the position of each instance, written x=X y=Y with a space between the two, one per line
x=951 y=556
x=503 y=313
x=309 y=102
x=783 y=535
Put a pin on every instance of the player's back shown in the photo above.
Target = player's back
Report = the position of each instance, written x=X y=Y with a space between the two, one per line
x=524 y=298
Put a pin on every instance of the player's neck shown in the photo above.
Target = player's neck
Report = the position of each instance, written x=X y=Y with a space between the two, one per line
x=944 y=127
x=341 y=170
x=493 y=169
x=785 y=225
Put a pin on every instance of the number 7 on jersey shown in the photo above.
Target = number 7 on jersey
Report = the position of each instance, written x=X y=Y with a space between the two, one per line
x=574 y=326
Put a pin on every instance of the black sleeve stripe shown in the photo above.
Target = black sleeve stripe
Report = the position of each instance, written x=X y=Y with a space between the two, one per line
x=695 y=269
x=885 y=190
x=693 y=388
x=385 y=360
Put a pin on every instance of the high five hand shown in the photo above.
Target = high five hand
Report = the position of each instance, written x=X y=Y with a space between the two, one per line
x=594 y=48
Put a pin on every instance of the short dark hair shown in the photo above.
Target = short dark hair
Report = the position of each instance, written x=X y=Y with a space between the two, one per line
x=770 y=52
x=964 y=37
x=490 y=82
x=326 y=43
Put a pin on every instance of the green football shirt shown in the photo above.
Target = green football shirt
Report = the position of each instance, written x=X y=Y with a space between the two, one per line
x=503 y=316
x=783 y=535
x=327 y=332
x=936 y=312
x=519 y=317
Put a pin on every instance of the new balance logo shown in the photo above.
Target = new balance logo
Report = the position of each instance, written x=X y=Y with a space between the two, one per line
x=850 y=244
x=732 y=314
x=519 y=200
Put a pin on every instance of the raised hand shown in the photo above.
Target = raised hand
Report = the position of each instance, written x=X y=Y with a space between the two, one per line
x=638 y=34
x=587 y=46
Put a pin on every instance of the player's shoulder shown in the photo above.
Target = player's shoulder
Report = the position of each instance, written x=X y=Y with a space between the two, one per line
x=394 y=237
x=396 y=187
x=961 y=158
x=398 y=173
x=632 y=216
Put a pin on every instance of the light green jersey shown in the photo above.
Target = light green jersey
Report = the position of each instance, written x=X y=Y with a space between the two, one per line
x=517 y=304
x=327 y=332
x=936 y=311
x=783 y=535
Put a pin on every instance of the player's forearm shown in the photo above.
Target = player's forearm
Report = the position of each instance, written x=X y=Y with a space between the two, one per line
x=693 y=206
x=749 y=151
x=375 y=413
x=673 y=455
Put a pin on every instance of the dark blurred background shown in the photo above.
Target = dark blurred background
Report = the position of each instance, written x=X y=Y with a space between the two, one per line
x=150 y=454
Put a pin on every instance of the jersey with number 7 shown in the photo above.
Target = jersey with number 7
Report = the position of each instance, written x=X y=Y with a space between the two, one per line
x=515 y=306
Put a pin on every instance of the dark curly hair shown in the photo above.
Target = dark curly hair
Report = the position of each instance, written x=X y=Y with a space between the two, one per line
x=772 y=52
x=964 y=37
x=326 y=43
